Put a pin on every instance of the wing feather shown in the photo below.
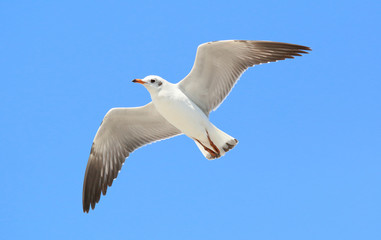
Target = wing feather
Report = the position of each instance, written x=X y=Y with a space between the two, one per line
x=122 y=131
x=219 y=65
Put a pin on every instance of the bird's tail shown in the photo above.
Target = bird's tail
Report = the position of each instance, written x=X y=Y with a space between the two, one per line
x=216 y=143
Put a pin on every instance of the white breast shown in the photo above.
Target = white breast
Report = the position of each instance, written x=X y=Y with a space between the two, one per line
x=181 y=112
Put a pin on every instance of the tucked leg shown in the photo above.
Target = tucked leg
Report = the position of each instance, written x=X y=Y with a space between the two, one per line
x=213 y=145
x=210 y=151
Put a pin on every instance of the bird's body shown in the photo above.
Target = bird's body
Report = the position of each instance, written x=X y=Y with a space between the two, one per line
x=180 y=111
x=181 y=108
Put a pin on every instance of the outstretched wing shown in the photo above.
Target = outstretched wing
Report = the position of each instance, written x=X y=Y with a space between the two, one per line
x=122 y=131
x=219 y=65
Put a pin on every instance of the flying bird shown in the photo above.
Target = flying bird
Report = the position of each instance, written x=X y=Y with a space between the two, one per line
x=181 y=108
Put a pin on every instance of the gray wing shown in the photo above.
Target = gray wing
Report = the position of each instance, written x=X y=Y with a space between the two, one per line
x=122 y=131
x=219 y=65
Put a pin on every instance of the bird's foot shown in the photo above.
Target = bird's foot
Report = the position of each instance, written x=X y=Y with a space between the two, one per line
x=211 y=154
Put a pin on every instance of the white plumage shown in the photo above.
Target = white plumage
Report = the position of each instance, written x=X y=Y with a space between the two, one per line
x=181 y=108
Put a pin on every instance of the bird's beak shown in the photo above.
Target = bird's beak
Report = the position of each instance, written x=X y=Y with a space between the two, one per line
x=138 y=81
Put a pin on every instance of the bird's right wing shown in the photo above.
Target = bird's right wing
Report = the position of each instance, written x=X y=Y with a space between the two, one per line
x=122 y=131
x=219 y=65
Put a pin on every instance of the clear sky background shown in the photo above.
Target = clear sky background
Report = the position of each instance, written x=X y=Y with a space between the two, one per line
x=308 y=164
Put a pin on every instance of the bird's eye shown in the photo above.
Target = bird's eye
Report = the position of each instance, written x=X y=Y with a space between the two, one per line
x=152 y=80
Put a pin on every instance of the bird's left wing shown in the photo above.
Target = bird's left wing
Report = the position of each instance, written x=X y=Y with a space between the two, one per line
x=122 y=131
x=219 y=65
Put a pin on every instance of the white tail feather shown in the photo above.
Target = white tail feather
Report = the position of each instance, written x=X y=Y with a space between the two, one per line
x=220 y=140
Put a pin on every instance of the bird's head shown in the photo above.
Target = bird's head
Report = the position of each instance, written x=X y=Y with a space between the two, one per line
x=151 y=82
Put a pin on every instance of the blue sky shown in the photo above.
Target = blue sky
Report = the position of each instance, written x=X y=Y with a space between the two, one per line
x=308 y=162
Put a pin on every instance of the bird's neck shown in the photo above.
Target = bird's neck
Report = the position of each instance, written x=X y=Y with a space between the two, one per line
x=165 y=91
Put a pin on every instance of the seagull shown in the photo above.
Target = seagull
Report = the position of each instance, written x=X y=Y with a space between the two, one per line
x=181 y=108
